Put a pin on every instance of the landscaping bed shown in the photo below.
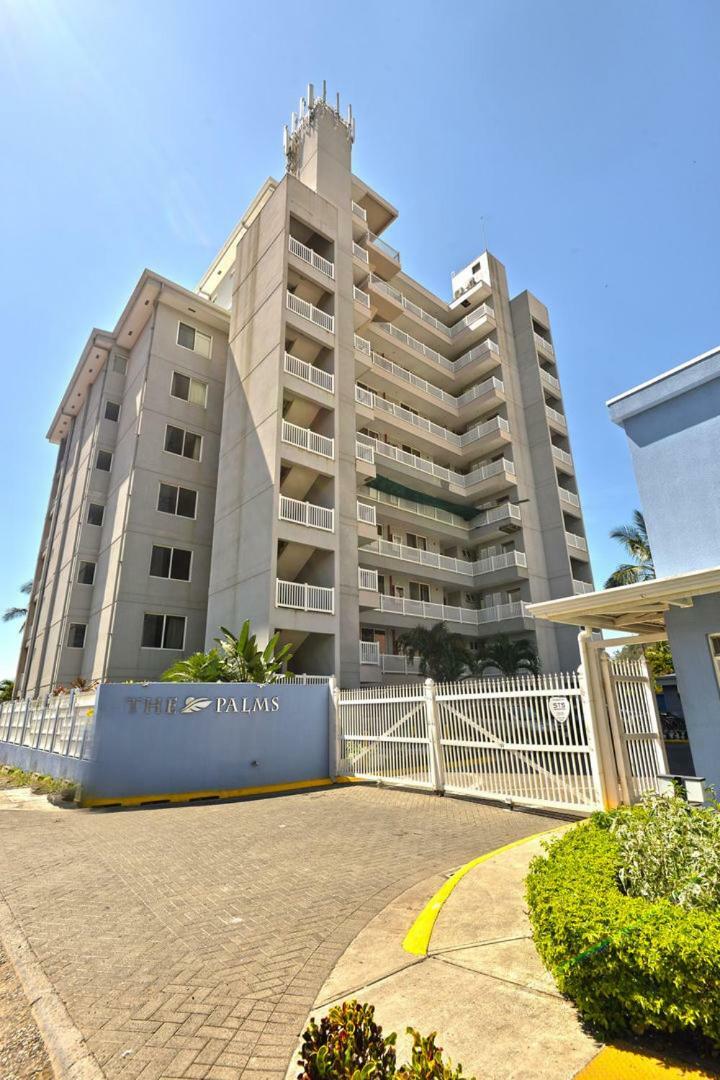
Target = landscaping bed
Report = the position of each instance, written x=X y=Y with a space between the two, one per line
x=626 y=916
x=64 y=790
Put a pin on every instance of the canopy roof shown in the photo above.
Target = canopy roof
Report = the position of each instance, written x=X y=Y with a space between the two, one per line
x=638 y=609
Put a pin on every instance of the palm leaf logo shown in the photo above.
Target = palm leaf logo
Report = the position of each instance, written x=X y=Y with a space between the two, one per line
x=195 y=704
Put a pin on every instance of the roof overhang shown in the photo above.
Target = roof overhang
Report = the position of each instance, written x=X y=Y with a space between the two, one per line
x=638 y=609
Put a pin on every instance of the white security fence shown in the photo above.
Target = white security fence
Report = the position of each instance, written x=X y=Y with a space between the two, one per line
x=60 y=725
x=528 y=740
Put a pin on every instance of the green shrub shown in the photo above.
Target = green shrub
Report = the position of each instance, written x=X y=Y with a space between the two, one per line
x=628 y=963
x=669 y=850
x=347 y=1044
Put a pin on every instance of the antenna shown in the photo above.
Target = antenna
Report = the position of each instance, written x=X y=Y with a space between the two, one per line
x=311 y=95
x=324 y=97
x=337 y=103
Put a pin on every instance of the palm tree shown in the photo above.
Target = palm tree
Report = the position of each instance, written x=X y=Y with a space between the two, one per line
x=442 y=655
x=634 y=539
x=18 y=612
x=506 y=655
x=7 y=689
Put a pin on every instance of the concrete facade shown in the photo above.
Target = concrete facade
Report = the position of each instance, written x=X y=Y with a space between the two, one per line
x=372 y=457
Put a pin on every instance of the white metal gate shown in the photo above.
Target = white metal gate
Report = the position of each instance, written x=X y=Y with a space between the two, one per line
x=382 y=734
x=635 y=725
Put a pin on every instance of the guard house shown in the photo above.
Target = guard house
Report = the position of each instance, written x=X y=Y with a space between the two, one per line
x=672 y=424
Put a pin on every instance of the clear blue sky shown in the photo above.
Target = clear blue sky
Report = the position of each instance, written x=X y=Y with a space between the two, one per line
x=585 y=134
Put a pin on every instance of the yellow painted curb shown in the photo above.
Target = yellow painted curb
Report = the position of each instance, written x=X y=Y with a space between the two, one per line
x=615 y=1063
x=418 y=936
x=222 y=793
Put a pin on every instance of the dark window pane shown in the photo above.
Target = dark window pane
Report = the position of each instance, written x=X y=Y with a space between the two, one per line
x=104 y=460
x=120 y=365
x=160 y=561
x=192 y=446
x=152 y=632
x=174 y=439
x=180 y=386
x=95 y=515
x=186 y=336
x=86 y=573
x=180 y=568
x=76 y=635
x=187 y=501
x=174 y=632
x=167 y=498
x=112 y=410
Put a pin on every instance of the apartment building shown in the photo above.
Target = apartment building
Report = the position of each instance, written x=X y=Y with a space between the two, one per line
x=310 y=439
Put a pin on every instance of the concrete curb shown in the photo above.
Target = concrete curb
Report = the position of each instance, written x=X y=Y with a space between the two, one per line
x=68 y=1052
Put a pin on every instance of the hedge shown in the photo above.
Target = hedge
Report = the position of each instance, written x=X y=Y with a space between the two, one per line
x=628 y=964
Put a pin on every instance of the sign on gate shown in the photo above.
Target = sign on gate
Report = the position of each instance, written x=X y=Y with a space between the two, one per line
x=559 y=709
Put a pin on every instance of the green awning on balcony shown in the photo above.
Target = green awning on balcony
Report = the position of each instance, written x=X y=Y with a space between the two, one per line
x=390 y=487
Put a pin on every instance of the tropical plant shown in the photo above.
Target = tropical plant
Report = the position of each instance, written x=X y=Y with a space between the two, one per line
x=236 y=659
x=427 y=1062
x=442 y=655
x=12 y=613
x=634 y=539
x=7 y=689
x=506 y=655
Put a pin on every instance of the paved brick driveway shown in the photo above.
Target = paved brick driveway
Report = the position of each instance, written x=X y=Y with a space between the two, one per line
x=190 y=941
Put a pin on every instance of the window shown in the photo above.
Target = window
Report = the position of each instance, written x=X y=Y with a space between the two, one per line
x=419 y=591
x=103 y=460
x=177 y=500
x=112 y=410
x=169 y=562
x=185 y=443
x=190 y=338
x=714 y=642
x=163 y=631
x=192 y=390
x=120 y=364
x=86 y=573
x=76 y=635
x=95 y=514
x=418 y=542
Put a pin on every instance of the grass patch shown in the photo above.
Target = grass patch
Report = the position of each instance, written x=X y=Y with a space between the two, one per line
x=11 y=777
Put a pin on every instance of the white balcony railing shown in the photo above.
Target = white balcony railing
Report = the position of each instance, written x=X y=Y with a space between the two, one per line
x=309 y=256
x=399 y=665
x=543 y=345
x=422 y=609
x=309 y=373
x=383 y=245
x=562 y=456
x=471 y=320
x=359 y=211
x=434 y=513
x=483 y=311
x=463 y=480
x=363 y=345
x=576 y=541
x=436 y=561
x=367 y=397
x=582 y=586
x=490 y=427
x=415 y=345
x=360 y=253
x=486 y=348
x=306 y=513
x=366 y=513
x=496 y=513
x=569 y=496
x=304 y=597
x=370 y=652
x=307 y=310
x=306 y=439
x=367 y=579
x=361 y=297
x=550 y=380
x=364 y=452
x=556 y=417
x=480 y=390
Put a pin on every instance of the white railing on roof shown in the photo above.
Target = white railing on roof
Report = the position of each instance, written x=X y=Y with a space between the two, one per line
x=366 y=513
x=483 y=349
x=309 y=373
x=370 y=652
x=554 y=415
x=569 y=496
x=576 y=541
x=307 y=439
x=309 y=256
x=453 y=565
x=364 y=451
x=306 y=310
x=543 y=344
x=383 y=245
x=306 y=513
x=561 y=455
x=550 y=380
x=367 y=579
x=359 y=211
x=360 y=252
x=582 y=586
x=424 y=609
x=304 y=597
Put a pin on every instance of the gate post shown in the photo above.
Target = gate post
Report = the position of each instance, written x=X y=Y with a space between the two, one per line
x=437 y=770
x=333 y=734
x=595 y=709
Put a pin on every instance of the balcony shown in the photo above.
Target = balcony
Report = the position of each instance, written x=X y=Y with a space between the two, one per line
x=422 y=609
x=562 y=457
x=487 y=353
x=569 y=497
x=367 y=579
x=366 y=514
x=496 y=513
x=382 y=245
x=309 y=373
x=361 y=297
x=304 y=597
x=435 y=561
x=415 y=345
x=550 y=381
x=306 y=439
x=492 y=386
x=582 y=586
x=360 y=253
x=429 y=468
x=555 y=418
x=432 y=513
x=306 y=513
x=324 y=266
x=359 y=211
x=543 y=345
x=575 y=541
x=370 y=652
x=364 y=452
x=399 y=665
x=306 y=310
x=482 y=311
x=498 y=425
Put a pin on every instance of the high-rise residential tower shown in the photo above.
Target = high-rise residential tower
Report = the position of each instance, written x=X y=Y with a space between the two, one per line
x=312 y=440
